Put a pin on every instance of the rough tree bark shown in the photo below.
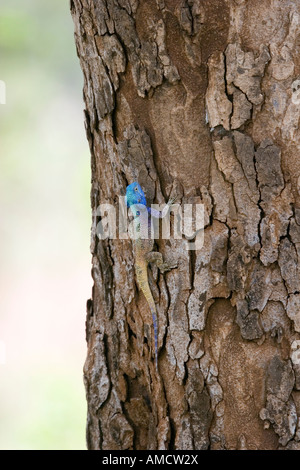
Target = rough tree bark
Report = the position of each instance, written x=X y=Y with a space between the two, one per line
x=197 y=98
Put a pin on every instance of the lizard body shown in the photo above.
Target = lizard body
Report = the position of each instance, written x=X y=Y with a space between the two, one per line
x=143 y=246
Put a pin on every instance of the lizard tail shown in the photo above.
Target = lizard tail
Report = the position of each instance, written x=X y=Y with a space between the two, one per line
x=142 y=278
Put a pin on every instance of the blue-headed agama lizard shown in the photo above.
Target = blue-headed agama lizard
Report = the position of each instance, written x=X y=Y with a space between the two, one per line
x=143 y=246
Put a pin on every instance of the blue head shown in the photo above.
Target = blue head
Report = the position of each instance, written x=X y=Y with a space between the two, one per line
x=135 y=195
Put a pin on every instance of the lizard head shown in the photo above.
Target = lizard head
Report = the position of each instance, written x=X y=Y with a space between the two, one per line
x=135 y=195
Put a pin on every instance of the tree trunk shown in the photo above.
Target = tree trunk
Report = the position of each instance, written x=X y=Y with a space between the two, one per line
x=197 y=98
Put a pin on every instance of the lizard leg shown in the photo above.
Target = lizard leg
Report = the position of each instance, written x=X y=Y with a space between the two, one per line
x=157 y=258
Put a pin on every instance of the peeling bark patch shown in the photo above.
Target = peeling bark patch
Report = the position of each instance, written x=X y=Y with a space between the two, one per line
x=248 y=214
x=276 y=200
x=234 y=86
x=280 y=408
x=288 y=262
x=146 y=51
x=199 y=405
x=269 y=173
x=218 y=106
x=244 y=71
x=96 y=374
x=248 y=321
x=293 y=310
x=241 y=109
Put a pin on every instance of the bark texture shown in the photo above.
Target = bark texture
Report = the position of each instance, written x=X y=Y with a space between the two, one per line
x=199 y=99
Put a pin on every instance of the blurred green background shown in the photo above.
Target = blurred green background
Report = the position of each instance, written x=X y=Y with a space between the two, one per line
x=44 y=228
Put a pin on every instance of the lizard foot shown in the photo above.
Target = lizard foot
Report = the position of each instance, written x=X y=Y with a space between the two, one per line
x=157 y=258
x=172 y=200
